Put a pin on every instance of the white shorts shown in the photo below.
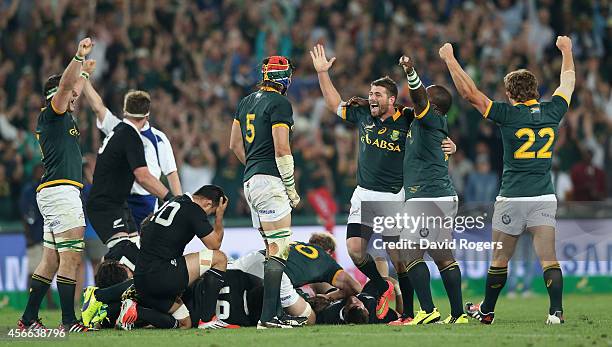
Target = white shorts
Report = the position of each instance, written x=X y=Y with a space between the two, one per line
x=267 y=199
x=361 y=194
x=513 y=215
x=62 y=210
x=253 y=263
x=439 y=210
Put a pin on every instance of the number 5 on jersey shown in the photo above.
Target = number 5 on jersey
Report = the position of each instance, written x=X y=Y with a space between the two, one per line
x=250 y=127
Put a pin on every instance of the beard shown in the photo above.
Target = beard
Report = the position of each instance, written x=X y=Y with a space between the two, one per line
x=378 y=109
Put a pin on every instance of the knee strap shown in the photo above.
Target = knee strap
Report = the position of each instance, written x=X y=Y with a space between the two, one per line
x=64 y=245
x=279 y=241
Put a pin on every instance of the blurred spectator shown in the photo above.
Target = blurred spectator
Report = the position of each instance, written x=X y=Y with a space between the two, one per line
x=522 y=268
x=198 y=58
x=459 y=168
x=588 y=180
x=482 y=184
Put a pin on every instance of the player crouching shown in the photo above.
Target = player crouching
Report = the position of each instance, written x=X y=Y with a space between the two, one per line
x=162 y=274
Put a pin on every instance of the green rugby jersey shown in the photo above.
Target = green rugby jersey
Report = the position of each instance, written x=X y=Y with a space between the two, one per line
x=257 y=114
x=529 y=132
x=381 y=147
x=58 y=136
x=308 y=263
x=425 y=163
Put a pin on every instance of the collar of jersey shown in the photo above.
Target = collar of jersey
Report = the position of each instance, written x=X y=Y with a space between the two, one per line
x=145 y=127
x=131 y=124
x=269 y=89
x=190 y=196
x=527 y=103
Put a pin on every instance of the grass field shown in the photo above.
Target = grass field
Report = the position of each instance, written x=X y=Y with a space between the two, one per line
x=518 y=322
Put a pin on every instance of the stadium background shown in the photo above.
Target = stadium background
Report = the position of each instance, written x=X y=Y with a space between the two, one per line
x=198 y=58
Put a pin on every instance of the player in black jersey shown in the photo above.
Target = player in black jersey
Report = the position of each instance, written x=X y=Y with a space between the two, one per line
x=58 y=194
x=121 y=160
x=163 y=273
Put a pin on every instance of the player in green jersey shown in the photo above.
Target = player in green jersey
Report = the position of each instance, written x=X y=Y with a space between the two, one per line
x=382 y=133
x=526 y=199
x=58 y=194
x=429 y=190
x=260 y=140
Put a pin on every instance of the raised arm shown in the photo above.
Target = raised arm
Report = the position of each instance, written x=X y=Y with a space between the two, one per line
x=417 y=90
x=464 y=84
x=95 y=101
x=568 y=75
x=322 y=65
x=70 y=77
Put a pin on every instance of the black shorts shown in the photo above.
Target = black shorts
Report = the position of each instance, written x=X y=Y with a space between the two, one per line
x=125 y=252
x=160 y=283
x=107 y=221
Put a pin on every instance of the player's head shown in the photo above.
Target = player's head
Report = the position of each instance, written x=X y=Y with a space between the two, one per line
x=521 y=85
x=382 y=96
x=276 y=72
x=111 y=272
x=50 y=89
x=323 y=240
x=355 y=312
x=209 y=197
x=439 y=98
x=136 y=105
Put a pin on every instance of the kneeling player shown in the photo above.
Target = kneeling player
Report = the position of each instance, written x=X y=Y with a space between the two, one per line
x=163 y=273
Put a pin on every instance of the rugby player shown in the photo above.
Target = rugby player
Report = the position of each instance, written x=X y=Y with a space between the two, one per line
x=527 y=199
x=429 y=189
x=162 y=272
x=382 y=133
x=158 y=154
x=58 y=194
x=121 y=160
x=260 y=140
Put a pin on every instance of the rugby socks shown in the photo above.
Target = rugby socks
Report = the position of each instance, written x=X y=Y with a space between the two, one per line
x=553 y=279
x=418 y=272
x=156 y=318
x=66 y=287
x=496 y=280
x=113 y=293
x=38 y=289
x=214 y=280
x=273 y=273
x=451 y=277
x=368 y=267
x=407 y=293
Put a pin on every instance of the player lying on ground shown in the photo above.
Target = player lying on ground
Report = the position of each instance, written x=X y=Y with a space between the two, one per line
x=158 y=154
x=382 y=134
x=429 y=190
x=58 y=194
x=260 y=140
x=527 y=199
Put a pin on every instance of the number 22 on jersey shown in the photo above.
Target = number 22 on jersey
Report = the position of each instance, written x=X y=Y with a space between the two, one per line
x=544 y=152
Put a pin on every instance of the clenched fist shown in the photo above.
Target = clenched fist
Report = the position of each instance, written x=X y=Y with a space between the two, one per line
x=89 y=66
x=564 y=43
x=85 y=47
x=446 y=51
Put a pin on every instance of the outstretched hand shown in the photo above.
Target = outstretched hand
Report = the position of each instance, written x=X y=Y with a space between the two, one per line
x=320 y=62
x=357 y=101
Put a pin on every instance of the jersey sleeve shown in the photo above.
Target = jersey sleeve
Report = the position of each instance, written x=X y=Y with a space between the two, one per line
x=282 y=113
x=497 y=112
x=200 y=224
x=347 y=113
x=166 y=156
x=109 y=122
x=332 y=268
x=557 y=107
x=135 y=152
